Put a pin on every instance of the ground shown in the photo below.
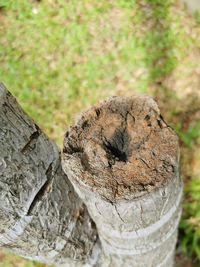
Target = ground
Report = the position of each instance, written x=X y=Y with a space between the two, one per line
x=60 y=57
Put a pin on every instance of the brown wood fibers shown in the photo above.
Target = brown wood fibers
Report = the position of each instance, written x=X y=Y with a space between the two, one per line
x=123 y=147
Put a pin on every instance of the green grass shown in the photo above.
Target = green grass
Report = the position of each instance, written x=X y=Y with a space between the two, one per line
x=9 y=260
x=191 y=219
x=60 y=57
x=65 y=57
x=190 y=136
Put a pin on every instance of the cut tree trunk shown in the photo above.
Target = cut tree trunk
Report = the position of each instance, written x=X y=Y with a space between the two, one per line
x=41 y=217
x=122 y=160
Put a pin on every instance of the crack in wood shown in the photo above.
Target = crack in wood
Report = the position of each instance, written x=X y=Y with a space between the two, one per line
x=45 y=188
x=30 y=145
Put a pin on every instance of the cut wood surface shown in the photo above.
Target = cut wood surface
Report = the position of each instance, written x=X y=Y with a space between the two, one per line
x=123 y=160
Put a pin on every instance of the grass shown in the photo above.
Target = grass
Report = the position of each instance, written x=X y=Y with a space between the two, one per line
x=60 y=57
x=191 y=219
x=9 y=260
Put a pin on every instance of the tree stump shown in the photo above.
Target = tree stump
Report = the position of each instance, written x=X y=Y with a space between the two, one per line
x=123 y=161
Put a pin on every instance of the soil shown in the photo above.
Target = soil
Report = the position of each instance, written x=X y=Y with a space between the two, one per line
x=184 y=261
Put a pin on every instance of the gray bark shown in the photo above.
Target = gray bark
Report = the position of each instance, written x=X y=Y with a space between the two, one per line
x=123 y=159
x=41 y=217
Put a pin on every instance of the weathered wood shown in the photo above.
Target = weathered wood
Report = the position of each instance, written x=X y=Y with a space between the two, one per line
x=123 y=160
x=41 y=217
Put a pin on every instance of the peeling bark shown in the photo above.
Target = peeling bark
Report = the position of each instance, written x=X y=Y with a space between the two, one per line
x=123 y=161
x=41 y=217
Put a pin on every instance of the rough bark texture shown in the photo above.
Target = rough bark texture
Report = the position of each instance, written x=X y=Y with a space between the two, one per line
x=122 y=159
x=41 y=217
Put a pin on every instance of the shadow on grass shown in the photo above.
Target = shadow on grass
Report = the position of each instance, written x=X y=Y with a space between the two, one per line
x=183 y=113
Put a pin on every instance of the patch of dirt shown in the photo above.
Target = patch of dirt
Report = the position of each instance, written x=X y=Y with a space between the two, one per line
x=182 y=260
x=2 y=256
x=185 y=79
x=110 y=22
